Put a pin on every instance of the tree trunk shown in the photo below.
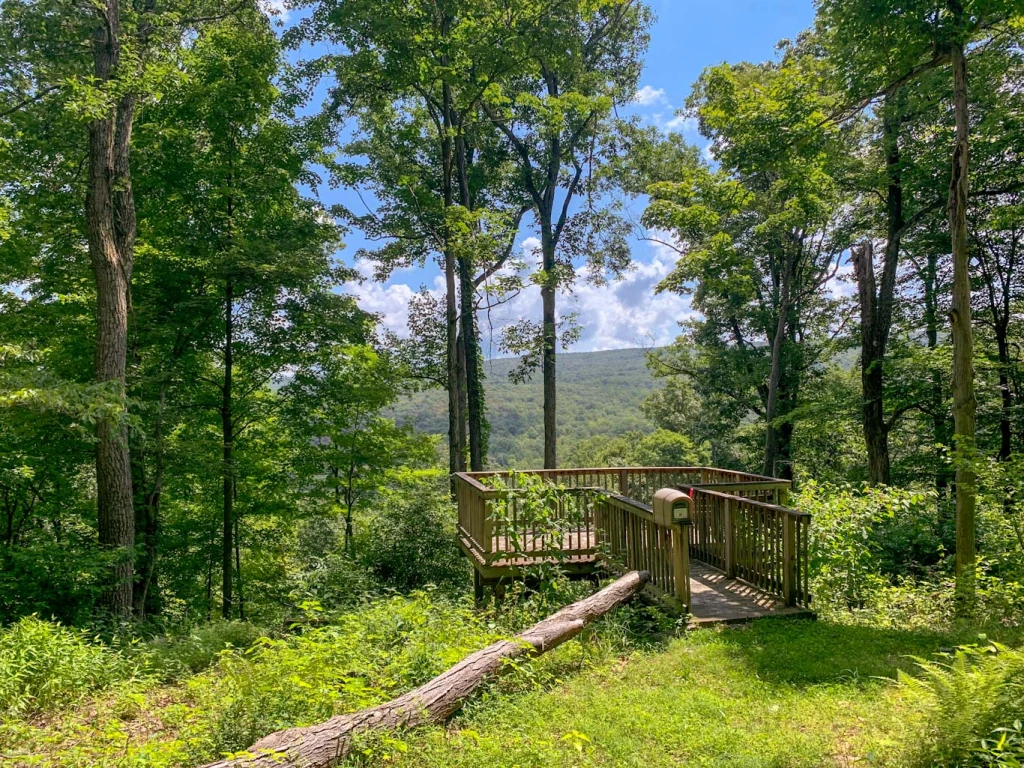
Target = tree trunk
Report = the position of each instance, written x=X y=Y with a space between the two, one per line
x=964 y=403
x=549 y=339
x=1005 y=394
x=147 y=520
x=110 y=222
x=470 y=342
x=456 y=456
x=876 y=433
x=327 y=744
x=238 y=569
x=771 y=445
x=876 y=301
x=937 y=406
x=227 y=463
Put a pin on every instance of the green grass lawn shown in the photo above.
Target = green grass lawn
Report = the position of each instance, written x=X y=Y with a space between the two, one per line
x=775 y=693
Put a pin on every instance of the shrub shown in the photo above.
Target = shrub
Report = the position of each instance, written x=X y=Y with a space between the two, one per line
x=192 y=649
x=865 y=538
x=367 y=656
x=966 y=701
x=44 y=665
x=409 y=540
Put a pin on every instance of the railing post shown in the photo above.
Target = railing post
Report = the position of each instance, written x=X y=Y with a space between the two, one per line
x=783 y=496
x=488 y=524
x=624 y=482
x=729 y=523
x=681 y=562
x=788 y=559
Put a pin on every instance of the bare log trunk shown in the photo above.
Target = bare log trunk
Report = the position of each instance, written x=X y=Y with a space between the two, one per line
x=327 y=744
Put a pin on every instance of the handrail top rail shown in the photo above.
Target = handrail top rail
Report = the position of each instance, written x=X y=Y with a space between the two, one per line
x=763 y=504
x=767 y=484
x=754 y=478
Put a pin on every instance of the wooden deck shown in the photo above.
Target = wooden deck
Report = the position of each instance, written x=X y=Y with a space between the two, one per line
x=714 y=597
x=726 y=550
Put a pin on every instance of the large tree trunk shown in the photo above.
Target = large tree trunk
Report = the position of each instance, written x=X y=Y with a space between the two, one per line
x=327 y=744
x=470 y=342
x=110 y=222
x=772 y=436
x=964 y=403
x=876 y=432
x=227 y=460
x=876 y=301
x=549 y=339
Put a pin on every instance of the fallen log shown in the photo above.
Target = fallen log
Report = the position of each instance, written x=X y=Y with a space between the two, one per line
x=326 y=744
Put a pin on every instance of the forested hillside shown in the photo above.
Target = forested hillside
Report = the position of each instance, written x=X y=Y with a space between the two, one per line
x=600 y=395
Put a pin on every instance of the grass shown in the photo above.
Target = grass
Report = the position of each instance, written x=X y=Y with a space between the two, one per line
x=776 y=693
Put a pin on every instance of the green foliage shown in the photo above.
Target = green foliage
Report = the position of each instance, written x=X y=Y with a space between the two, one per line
x=46 y=666
x=409 y=541
x=965 y=700
x=863 y=537
x=365 y=657
x=188 y=650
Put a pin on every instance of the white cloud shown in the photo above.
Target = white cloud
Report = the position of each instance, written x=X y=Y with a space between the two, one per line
x=649 y=96
x=842 y=285
x=682 y=123
x=620 y=314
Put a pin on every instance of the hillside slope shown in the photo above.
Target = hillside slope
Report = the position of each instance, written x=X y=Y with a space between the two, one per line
x=599 y=393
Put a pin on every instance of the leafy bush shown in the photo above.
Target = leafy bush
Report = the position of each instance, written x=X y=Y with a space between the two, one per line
x=195 y=648
x=965 y=702
x=52 y=579
x=409 y=541
x=44 y=665
x=864 y=539
x=367 y=656
x=1005 y=747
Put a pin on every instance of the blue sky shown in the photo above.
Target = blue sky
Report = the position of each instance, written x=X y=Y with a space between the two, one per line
x=686 y=37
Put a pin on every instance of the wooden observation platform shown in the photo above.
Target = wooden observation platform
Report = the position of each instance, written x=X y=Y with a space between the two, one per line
x=719 y=544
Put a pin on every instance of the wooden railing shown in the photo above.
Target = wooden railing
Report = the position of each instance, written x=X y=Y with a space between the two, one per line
x=762 y=543
x=638 y=483
x=497 y=525
x=474 y=503
x=632 y=538
x=737 y=523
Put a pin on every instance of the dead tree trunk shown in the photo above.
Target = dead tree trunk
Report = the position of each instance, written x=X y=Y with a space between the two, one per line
x=327 y=744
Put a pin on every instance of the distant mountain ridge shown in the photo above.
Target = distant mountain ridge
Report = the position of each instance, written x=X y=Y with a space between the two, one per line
x=599 y=394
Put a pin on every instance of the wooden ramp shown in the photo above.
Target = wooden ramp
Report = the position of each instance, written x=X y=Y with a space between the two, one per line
x=717 y=599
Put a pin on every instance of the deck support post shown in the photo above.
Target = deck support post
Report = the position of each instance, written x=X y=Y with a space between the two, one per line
x=729 y=523
x=478 y=587
x=789 y=560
